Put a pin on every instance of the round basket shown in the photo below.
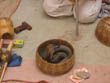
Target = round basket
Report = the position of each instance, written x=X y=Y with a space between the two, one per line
x=103 y=31
x=55 y=69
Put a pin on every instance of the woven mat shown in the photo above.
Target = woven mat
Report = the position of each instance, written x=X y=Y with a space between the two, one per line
x=8 y=7
x=29 y=72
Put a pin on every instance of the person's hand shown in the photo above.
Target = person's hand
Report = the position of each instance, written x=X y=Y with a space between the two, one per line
x=107 y=1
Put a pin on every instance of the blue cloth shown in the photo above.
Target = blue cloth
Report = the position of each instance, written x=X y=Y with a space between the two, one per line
x=16 y=61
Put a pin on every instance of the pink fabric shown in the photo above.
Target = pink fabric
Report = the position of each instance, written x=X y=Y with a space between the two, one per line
x=29 y=72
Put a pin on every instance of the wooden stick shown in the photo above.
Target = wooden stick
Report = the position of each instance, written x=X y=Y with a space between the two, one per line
x=8 y=51
x=77 y=18
x=1 y=44
x=4 y=67
x=5 y=62
x=10 y=46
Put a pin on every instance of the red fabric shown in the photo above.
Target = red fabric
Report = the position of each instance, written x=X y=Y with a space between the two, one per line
x=42 y=81
x=19 y=1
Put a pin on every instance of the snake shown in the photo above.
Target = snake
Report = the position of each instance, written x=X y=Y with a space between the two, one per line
x=55 y=53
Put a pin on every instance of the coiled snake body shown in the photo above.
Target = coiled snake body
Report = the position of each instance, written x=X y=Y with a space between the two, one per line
x=56 y=53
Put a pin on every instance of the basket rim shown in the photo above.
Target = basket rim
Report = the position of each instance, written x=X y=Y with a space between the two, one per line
x=71 y=47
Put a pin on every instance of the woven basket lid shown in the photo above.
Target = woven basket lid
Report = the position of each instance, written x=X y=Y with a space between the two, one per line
x=6 y=28
x=103 y=31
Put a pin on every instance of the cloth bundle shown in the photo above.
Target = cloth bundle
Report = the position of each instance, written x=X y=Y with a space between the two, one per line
x=89 y=10
x=105 y=10
x=16 y=61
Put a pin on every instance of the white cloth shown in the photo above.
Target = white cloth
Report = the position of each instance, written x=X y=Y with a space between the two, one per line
x=56 y=8
x=89 y=11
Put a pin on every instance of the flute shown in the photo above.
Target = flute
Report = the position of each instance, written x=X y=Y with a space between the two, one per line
x=6 y=57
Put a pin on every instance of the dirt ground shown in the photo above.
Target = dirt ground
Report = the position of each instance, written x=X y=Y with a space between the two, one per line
x=87 y=49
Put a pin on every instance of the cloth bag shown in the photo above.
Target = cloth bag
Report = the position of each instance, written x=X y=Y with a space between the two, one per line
x=56 y=8
x=105 y=10
x=89 y=11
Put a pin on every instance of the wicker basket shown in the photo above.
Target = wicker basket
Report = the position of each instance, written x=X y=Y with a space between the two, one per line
x=55 y=69
x=103 y=31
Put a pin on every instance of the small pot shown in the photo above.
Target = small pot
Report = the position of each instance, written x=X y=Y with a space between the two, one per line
x=6 y=28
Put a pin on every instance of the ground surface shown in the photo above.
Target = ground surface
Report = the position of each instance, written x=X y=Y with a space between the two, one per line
x=87 y=49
